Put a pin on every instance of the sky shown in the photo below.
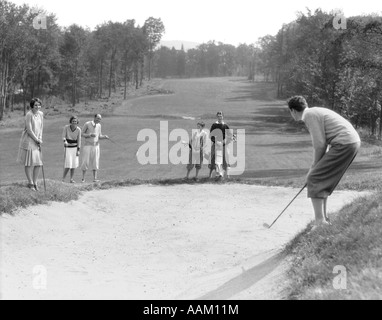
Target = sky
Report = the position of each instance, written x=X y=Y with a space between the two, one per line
x=228 y=21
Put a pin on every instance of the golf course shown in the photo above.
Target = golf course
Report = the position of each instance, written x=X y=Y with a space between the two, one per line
x=144 y=232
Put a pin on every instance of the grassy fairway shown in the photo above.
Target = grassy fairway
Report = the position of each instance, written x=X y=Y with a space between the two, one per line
x=278 y=151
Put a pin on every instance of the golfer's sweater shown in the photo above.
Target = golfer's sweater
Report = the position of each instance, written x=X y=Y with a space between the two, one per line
x=218 y=131
x=198 y=141
x=89 y=128
x=73 y=138
x=327 y=127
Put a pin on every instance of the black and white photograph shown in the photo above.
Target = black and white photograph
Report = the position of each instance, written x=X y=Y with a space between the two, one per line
x=190 y=155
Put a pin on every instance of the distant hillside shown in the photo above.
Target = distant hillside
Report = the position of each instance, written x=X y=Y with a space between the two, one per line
x=177 y=44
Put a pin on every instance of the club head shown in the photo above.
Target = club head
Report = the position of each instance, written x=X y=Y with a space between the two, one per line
x=266 y=225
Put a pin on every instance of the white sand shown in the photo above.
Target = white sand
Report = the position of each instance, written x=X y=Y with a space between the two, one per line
x=154 y=242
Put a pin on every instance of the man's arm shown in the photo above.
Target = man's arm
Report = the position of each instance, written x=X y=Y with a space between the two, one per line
x=227 y=135
x=316 y=127
x=101 y=136
x=85 y=130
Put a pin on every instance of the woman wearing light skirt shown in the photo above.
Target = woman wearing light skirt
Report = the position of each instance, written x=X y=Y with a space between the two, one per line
x=30 y=144
x=72 y=144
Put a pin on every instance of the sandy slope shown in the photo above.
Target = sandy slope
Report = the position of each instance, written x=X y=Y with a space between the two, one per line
x=154 y=242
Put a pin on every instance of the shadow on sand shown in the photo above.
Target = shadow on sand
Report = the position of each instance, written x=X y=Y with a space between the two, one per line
x=246 y=280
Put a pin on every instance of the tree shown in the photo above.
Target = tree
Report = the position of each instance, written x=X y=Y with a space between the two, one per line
x=72 y=52
x=153 y=29
x=181 y=63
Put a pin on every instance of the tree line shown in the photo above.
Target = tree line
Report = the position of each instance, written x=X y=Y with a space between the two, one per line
x=211 y=59
x=335 y=67
x=40 y=58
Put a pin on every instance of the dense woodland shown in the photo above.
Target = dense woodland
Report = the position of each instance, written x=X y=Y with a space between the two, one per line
x=340 y=68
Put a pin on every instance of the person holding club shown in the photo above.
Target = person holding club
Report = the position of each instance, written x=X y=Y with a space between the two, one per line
x=72 y=143
x=220 y=137
x=335 y=146
x=30 y=144
x=92 y=132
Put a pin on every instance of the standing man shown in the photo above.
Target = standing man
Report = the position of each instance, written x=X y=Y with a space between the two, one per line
x=219 y=153
x=92 y=133
x=335 y=146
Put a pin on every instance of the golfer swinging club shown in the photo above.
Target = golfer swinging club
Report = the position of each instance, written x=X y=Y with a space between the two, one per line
x=335 y=143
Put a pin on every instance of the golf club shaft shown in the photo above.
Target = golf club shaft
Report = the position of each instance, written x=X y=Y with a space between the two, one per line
x=116 y=143
x=42 y=168
x=43 y=176
x=288 y=205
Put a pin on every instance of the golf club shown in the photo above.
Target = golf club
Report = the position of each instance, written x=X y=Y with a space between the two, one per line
x=42 y=168
x=116 y=143
x=270 y=226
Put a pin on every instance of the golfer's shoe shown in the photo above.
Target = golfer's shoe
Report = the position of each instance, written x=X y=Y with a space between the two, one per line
x=36 y=187
x=32 y=187
x=321 y=225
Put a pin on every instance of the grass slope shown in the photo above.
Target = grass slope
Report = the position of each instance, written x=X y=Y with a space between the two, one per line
x=354 y=242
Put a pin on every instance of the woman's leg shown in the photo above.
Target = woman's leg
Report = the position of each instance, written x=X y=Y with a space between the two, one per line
x=28 y=173
x=66 y=170
x=71 y=174
x=36 y=173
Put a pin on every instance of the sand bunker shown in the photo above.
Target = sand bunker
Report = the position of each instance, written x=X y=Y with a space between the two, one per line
x=153 y=242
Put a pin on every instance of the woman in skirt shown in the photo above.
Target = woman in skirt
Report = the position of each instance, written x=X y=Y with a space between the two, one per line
x=72 y=144
x=30 y=144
